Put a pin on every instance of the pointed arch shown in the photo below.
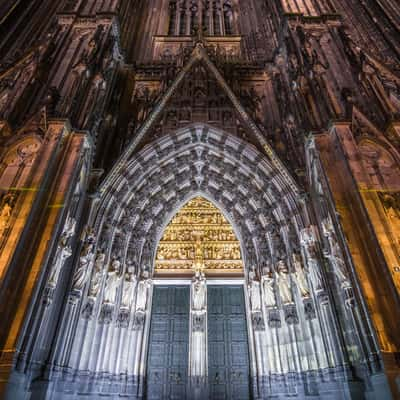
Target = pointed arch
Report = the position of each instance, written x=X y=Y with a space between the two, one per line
x=203 y=160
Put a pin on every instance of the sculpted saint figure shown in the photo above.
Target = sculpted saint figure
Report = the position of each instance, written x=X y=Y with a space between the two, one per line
x=268 y=288
x=63 y=254
x=199 y=292
x=5 y=215
x=284 y=283
x=308 y=241
x=335 y=254
x=97 y=275
x=254 y=292
x=84 y=263
x=64 y=251
x=142 y=292
x=128 y=289
x=112 y=282
x=300 y=276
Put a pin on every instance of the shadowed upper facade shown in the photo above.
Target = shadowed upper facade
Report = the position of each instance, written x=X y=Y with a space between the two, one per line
x=218 y=178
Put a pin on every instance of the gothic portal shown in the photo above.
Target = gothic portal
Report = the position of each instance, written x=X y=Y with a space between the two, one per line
x=199 y=199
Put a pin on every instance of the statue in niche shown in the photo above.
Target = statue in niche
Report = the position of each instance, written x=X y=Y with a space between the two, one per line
x=199 y=292
x=142 y=292
x=308 y=242
x=391 y=204
x=268 y=288
x=6 y=210
x=112 y=282
x=128 y=288
x=97 y=275
x=335 y=254
x=300 y=276
x=85 y=260
x=64 y=251
x=254 y=292
x=284 y=283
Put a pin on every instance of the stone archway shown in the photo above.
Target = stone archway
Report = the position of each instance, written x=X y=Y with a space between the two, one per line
x=292 y=328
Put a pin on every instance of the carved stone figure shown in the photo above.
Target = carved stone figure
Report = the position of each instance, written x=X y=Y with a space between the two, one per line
x=69 y=230
x=84 y=264
x=199 y=292
x=128 y=289
x=5 y=215
x=300 y=276
x=142 y=292
x=63 y=253
x=112 y=282
x=308 y=242
x=254 y=292
x=268 y=289
x=335 y=254
x=97 y=276
x=284 y=283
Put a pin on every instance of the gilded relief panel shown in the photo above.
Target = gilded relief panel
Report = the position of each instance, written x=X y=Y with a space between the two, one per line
x=199 y=238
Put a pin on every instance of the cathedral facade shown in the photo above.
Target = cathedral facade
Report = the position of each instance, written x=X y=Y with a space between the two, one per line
x=200 y=199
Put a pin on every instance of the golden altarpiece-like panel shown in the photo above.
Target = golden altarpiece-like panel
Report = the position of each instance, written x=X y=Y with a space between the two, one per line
x=199 y=238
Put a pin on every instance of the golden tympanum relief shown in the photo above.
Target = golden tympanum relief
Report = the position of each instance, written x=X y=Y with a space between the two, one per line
x=199 y=238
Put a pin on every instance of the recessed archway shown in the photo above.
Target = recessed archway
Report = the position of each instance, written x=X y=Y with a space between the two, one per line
x=199 y=237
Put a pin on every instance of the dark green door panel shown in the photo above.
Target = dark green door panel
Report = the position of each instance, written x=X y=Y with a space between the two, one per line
x=228 y=353
x=167 y=365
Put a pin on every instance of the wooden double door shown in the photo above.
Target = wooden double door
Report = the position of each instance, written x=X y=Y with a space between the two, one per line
x=228 y=355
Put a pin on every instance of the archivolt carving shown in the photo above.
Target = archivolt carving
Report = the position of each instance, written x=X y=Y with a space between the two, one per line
x=165 y=175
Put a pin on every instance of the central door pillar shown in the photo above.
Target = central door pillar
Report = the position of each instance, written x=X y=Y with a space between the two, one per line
x=198 y=337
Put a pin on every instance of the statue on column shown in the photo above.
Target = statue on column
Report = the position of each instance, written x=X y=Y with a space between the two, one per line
x=199 y=292
x=5 y=213
x=268 y=288
x=97 y=276
x=142 y=299
x=112 y=282
x=128 y=288
x=254 y=292
x=142 y=292
x=64 y=251
x=300 y=276
x=85 y=260
x=284 y=283
x=308 y=241
x=335 y=254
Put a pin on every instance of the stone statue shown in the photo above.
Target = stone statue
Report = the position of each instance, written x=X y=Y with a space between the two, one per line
x=268 y=288
x=142 y=292
x=63 y=253
x=84 y=264
x=128 y=289
x=254 y=292
x=68 y=231
x=300 y=276
x=5 y=214
x=335 y=254
x=199 y=292
x=308 y=242
x=97 y=275
x=284 y=283
x=112 y=282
